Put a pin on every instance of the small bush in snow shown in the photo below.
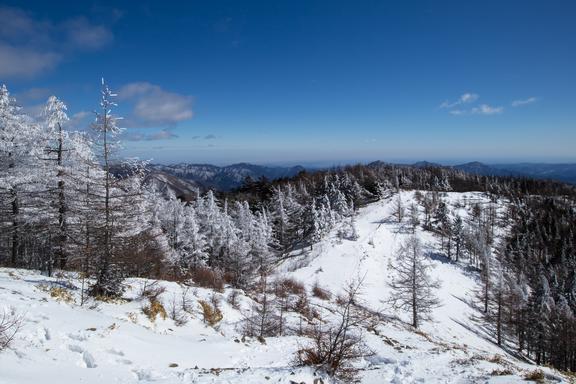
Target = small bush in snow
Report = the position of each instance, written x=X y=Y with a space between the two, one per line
x=154 y=309
x=175 y=311
x=287 y=286
x=152 y=290
x=61 y=294
x=536 y=375
x=302 y=306
x=320 y=292
x=334 y=347
x=10 y=324
x=233 y=299
x=212 y=314
x=501 y=372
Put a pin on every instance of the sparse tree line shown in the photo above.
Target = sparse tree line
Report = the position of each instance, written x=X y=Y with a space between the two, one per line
x=527 y=273
x=64 y=205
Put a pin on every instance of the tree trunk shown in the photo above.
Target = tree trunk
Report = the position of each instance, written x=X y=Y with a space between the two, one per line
x=61 y=256
x=14 y=259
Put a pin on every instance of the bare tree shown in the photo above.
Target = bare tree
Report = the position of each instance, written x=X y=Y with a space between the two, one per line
x=10 y=324
x=413 y=217
x=413 y=285
x=335 y=346
x=263 y=320
x=399 y=210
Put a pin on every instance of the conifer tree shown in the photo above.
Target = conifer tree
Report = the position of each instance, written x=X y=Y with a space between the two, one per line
x=413 y=286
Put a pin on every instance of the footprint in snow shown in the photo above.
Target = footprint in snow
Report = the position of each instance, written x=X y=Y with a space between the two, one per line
x=88 y=360
x=76 y=348
x=116 y=352
x=77 y=337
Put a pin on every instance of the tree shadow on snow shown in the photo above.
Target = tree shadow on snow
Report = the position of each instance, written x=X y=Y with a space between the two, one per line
x=52 y=283
x=437 y=256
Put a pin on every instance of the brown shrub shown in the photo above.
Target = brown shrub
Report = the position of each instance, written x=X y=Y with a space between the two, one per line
x=286 y=286
x=212 y=314
x=501 y=372
x=152 y=290
x=208 y=278
x=154 y=309
x=61 y=294
x=536 y=375
x=340 y=300
x=335 y=347
x=320 y=292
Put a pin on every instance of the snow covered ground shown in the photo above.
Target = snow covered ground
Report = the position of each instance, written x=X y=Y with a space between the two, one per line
x=63 y=342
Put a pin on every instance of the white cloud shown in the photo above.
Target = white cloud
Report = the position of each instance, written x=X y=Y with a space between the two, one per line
x=32 y=94
x=463 y=99
x=84 y=35
x=164 y=134
x=522 y=102
x=30 y=46
x=460 y=106
x=21 y=62
x=485 y=109
x=153 y=106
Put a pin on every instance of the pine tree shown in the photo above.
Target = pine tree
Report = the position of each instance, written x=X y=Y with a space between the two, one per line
x=413 y=286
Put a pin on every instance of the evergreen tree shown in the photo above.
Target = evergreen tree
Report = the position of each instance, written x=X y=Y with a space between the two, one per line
x=413 y=287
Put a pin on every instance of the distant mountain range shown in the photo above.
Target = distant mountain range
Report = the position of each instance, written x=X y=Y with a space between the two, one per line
x=205 y=176
x=560 y=172
x=185 y=179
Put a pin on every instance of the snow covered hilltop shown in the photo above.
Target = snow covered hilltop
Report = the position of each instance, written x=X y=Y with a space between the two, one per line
x=116 y=341
x=376 y=273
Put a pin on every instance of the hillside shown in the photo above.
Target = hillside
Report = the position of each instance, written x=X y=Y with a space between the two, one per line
x=116 y=343
x=561 y=172
x=227 y=177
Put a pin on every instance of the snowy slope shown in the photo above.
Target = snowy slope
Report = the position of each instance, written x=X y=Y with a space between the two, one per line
x=63 y=342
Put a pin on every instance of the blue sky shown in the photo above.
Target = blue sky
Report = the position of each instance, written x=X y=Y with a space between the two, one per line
x=323 y=82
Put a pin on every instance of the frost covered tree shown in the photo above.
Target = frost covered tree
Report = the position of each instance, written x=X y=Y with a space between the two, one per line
x=20 y=149
x=179 y=223
x=57 y=149
x=457 y=234
x=311 y=223
x=112 y=200
x=412 y=284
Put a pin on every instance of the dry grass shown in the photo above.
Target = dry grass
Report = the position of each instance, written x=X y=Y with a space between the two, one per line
x=110 y=299
x=535 y=375
x=154 y=309
x=212 y=314
x=288 y=286
x=61 y=294
x=501 y=372
x=321 y=293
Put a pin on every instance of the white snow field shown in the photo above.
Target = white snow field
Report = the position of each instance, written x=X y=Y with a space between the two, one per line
x=104 y=343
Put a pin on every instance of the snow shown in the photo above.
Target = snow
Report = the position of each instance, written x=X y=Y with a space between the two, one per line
x=63 y=342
